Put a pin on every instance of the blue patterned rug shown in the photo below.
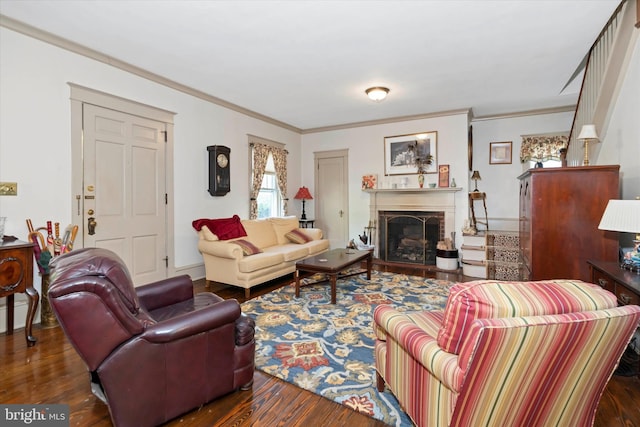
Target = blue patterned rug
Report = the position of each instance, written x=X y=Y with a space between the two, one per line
x=328 y=349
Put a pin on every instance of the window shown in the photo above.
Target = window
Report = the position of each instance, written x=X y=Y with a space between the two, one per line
x=269 y=197
x=268 y=178
x=544 y=148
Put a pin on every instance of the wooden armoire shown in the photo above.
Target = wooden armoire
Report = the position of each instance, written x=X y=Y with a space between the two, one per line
x=560 y=209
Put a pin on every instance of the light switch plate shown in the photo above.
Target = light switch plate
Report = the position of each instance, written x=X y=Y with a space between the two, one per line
x=8 y=188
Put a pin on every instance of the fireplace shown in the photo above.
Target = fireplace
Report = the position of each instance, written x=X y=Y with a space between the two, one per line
x=410 y=236
x=428 y=211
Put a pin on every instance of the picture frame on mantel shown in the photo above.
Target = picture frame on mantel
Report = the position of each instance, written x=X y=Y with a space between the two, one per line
x=443 y=176
x=400 y=152
x=500 y=153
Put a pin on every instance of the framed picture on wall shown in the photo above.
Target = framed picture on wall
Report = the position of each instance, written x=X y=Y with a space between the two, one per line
x=369 y=182
x=500 y=153
x=443 y=176
x=403 y=154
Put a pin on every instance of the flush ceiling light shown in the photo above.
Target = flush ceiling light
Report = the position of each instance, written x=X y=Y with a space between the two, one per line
x=377 y=93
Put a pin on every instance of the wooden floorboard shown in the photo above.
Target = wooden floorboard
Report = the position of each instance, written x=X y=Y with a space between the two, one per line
x=52 y=372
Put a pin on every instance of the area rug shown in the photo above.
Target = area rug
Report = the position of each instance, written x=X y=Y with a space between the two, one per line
x=328 y=349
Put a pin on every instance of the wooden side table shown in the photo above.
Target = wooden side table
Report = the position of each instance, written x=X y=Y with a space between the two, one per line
x=623 y=283
x=473 y=196
x=306 y=223
x=16 y=275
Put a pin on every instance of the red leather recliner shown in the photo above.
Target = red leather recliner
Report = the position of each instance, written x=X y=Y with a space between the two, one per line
x=153 y=352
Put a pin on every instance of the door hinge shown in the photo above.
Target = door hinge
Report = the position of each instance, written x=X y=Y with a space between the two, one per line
x=165 y=134
x=166 y=262
x=166 y=199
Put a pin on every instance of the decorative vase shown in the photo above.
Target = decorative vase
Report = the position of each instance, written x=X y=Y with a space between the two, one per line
x=47 y=318
x=421 y=180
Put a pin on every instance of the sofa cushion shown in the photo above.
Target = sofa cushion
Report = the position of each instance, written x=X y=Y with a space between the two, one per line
x=259 y=261
x=248 y=248
x=483 y=299
x=283 y=225
x=289 y=251
x=224 y=228
x=297 y=236
x=317 y=246
x=260 y=232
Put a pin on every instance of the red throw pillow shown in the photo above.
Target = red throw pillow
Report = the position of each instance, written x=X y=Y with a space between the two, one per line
x=224 y=228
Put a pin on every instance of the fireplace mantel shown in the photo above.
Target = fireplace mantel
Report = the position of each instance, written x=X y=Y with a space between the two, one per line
x=414 y=190
x=439 y=199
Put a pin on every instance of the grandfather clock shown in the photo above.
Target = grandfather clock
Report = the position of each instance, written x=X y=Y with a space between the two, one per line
x=219 y=174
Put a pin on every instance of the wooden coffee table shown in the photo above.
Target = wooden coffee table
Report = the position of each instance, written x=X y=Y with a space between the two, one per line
x=332 y=263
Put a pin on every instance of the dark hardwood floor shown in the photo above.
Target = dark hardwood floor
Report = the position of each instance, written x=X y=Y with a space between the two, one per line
x=51 y=372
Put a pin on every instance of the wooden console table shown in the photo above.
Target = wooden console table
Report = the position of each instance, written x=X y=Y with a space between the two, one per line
x=16 y=275
x=623 y=283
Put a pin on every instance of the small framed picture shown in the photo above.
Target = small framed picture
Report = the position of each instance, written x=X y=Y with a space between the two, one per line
x=369 y=182
x=443 y=176
x=500 y=153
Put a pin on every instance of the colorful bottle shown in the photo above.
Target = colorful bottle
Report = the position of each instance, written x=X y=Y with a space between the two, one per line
x=57 y=242
x=49 y=238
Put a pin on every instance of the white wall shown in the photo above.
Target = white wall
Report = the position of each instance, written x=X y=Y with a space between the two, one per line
x=500 y=181
x=621 y=143
x=366 y=156
x=35 y=142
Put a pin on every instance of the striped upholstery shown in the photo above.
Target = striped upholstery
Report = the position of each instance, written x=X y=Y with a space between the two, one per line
x=525 y=370
x=543 y=370
x=484 y=299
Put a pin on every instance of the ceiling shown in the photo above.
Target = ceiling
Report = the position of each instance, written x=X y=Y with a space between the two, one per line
x=308 y=63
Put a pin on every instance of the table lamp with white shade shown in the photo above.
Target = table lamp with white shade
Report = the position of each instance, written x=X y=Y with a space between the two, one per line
x=624 y=216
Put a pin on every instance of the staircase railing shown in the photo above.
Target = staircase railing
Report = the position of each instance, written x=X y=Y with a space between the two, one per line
x=600 y=82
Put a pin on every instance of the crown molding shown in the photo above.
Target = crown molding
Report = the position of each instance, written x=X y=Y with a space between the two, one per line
x=537 y=112
x=386 y=121
x=79 y=49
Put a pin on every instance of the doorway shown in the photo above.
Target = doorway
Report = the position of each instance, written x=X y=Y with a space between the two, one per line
x=121 y=151
x=332 y=195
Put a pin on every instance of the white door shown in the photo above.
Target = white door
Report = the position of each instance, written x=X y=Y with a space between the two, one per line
x=331 y=200
x=124 y=193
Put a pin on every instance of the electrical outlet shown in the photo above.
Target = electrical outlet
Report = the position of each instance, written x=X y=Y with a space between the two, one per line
x=8 y=188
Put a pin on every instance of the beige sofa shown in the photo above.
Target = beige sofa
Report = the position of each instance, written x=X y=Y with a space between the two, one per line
x=226 y=262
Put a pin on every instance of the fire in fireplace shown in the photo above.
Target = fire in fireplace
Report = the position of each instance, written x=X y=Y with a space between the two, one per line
x=410 y=236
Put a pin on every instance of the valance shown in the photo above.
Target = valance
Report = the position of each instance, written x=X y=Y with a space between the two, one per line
x=539 y=148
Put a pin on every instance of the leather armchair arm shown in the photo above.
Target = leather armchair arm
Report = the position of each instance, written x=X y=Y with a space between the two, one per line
x=245 y=329
x=165 y=292
x=203 y=320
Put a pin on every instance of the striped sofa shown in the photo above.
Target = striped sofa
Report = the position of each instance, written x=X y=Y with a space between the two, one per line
x=504 y=353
